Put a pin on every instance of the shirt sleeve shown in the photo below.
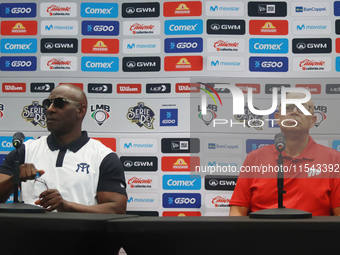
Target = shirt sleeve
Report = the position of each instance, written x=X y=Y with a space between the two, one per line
x=242 y=193
x=111 y=176
x=7 y=166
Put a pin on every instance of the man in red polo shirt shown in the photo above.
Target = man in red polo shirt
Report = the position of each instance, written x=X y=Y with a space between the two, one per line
x=311 y=171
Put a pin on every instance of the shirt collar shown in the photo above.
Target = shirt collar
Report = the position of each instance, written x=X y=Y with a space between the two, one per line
x=74 y=146
x=308 y=153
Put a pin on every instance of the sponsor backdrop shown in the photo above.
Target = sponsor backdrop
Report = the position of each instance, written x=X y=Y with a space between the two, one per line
x=142 y=65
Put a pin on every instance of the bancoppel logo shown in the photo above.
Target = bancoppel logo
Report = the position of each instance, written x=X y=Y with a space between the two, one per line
x=269 y=88
x=182 y=200
x=137 y=10
x=58 y=9
x=312 y=27
x=19 y=45
x=215 y=182
x=18 y=10
x=141 y=64
x=268 y=46
x=143 y=146
x=312 y=88
x=141 y=181
x=312 y=45
x=232 y=146
x=224 y=9
x=181 y=182
x=320 y=111
x=332 y=88
x=100 y=113
x=158 y=88
x=100 y=46
x=129 y=88
x=145 y=27
x=168 y=117
x=141 y=46
x=217 y=200
x=225 y=26
x=35 y=113
x=141 y=115
x=308 y=9
x=268 y=9
x=42 y=87
x=101 y=88
x=304 y=64
x=180 y=145
x=253 y=144
x=187 y=87
x=268 y=64
x=183 y=63
x=183 y=27
x=182 y=45
x=99 y=64
x=19 y=28
x=180 y=164
x=220 y=44
x=137 y=164
x=98 y=28
x=180 y=9
x=229 y=64
x=61 y=63
x=142 y=200
x=18 y=63
x=268 y=27
x=60 y=45
x=59 y=27
x=14 y=87
x=99 y=10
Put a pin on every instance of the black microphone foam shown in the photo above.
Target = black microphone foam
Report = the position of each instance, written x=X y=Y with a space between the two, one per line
x=280 y=142
x=18 y=139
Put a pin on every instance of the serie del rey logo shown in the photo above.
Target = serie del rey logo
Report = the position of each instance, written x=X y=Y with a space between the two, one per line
x=35 y=113
x=141 y=115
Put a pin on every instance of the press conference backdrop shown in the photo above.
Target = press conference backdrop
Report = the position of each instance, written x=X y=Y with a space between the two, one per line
x=142 y=65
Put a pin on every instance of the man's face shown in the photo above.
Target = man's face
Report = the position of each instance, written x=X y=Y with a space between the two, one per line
x=62 y=120
x=295 y=120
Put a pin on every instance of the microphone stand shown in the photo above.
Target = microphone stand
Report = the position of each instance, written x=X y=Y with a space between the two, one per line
x=18 y=206
x=281 y=212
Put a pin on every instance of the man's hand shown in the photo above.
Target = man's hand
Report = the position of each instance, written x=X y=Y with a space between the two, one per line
x=52 y=200
x=28 y=172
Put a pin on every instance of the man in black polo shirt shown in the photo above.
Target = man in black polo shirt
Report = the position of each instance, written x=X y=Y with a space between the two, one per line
x=82 y=174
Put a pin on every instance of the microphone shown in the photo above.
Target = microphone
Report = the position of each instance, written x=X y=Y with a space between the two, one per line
x=18 y=139
x=280 y=142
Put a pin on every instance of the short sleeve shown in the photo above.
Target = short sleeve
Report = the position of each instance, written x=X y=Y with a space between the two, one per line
x=111 y=176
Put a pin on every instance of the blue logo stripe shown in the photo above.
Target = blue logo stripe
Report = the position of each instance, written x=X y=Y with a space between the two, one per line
x=19 y=45
x=183 y=27
x=100 y=64
x=99 y=10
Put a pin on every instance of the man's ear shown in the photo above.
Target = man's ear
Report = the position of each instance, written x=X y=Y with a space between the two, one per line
x=81 y=111
x=313 y=121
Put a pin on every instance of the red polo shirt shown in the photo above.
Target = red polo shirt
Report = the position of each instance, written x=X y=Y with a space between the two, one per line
x=311 y=180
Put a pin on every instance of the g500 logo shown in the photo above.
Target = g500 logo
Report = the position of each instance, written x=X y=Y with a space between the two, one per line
x=239 y=109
